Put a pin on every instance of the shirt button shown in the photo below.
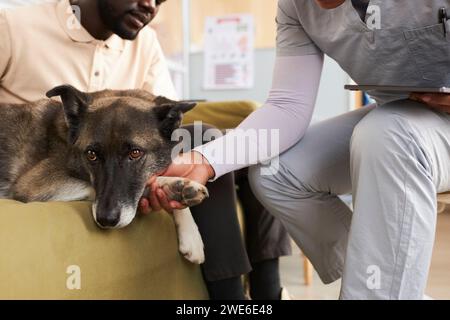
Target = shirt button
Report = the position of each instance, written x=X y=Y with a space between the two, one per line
x=97 y=73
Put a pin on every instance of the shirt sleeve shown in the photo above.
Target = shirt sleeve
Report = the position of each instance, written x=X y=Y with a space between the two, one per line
x=158 y=80
x=277 y=125
x=5 y=45
x=292 y=39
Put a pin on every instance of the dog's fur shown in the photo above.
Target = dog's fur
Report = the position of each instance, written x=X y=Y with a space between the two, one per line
x=82 y=149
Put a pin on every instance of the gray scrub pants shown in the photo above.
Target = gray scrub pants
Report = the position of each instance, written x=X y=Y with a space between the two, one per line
x=393 y=159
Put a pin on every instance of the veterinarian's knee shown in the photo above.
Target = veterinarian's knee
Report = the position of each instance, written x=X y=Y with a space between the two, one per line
x=262 y=185
x=272 y=187
x=382 y=135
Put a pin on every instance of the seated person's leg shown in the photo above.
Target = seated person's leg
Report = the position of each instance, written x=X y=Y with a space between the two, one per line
x=217 y=220
x=303 y=192
x=400 y=159
x=266 y=241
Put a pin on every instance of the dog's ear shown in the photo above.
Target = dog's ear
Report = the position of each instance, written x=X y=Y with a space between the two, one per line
x=75 y=104
x=170 y=113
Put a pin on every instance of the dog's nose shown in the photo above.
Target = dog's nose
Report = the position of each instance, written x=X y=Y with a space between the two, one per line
x=108 y=221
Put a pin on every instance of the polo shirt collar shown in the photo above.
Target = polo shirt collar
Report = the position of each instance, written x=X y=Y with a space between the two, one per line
x=73 y=28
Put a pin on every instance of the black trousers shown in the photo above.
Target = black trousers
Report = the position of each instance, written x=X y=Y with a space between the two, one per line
x=226 y=255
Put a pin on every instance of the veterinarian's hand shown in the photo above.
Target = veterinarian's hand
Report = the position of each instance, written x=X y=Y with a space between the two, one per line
x=437 y=101
x=190 y=165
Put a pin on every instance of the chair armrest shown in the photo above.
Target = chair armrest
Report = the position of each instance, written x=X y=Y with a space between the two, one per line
x=222 y=115
x=39 y=241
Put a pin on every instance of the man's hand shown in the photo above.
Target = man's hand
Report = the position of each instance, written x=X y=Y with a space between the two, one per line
x=437 y=101
x=191 y=165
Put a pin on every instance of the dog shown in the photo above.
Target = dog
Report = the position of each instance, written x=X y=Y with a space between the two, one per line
x=99 y=146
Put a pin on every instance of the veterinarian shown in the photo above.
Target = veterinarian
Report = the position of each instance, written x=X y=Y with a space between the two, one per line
x=393 y=156
x=46 y=45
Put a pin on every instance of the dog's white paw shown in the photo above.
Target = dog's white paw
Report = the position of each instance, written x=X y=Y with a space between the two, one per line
x=191 y=244
x=185 y=191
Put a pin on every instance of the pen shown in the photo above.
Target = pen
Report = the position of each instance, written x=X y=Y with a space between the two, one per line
x=443 y=17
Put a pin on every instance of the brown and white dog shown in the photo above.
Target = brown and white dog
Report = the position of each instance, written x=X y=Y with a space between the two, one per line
x=101 y=146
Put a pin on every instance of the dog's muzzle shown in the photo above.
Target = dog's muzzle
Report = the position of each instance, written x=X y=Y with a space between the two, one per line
x=115 y=218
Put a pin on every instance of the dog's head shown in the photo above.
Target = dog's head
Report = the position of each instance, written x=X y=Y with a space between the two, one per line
x=123 y=137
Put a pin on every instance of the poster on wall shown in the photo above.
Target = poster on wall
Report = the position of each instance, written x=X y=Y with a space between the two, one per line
x=229 y=55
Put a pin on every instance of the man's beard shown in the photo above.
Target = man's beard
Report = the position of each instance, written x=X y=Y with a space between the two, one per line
x=113 y=22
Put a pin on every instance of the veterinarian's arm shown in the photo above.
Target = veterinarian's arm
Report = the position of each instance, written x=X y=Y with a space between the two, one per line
x=288 y=110
x=5 y=45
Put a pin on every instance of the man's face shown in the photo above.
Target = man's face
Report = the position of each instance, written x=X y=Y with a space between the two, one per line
x=127 y=17
x=329 y=4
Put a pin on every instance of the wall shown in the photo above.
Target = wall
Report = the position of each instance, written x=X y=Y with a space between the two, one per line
x=332 y=100
x=263 y=11
x=14 y=3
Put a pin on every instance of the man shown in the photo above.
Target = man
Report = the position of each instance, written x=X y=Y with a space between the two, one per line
x=105 y=44
x=50 y=47
x=393 y=156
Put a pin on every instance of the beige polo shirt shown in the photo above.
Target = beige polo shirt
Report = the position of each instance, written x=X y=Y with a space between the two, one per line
x=44 y=46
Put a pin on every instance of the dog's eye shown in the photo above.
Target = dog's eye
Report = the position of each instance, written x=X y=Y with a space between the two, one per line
x=91 y=155
x=135 y=154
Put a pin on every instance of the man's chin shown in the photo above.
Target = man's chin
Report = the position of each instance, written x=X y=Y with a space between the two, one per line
x=127 y=34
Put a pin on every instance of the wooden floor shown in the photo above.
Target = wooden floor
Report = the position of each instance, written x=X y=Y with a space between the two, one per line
x=439 y=279
x=438 y=282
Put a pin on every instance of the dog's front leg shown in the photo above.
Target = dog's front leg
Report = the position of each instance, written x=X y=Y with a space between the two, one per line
x=189 y=193
x=190 y=241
